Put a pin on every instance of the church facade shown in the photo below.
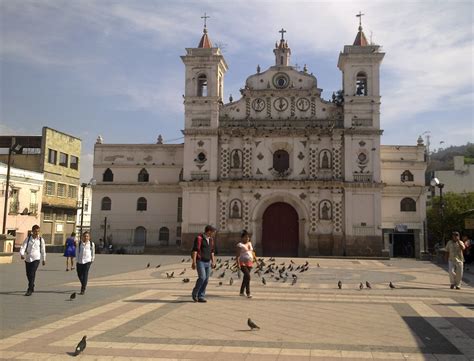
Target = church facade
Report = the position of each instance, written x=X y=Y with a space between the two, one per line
x=304 y=175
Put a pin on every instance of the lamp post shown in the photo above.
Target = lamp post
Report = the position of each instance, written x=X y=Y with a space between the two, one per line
x=14 y=148
x=436 y=183
x=84 y=186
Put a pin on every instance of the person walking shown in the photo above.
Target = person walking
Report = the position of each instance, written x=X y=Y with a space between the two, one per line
x=202 y=261
x=70 y=250
x=468 y=251
x=244 y=259
x=85 y=255
x=33 y=251
x=455 y=248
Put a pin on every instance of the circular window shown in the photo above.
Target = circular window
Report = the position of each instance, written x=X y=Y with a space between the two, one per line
x=201 y=158
x=281 y=80
x=362 y=157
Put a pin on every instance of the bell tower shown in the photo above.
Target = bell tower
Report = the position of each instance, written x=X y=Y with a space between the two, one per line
x=282 y=51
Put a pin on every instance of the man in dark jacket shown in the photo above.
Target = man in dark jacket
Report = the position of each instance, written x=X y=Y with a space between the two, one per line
x=203 y=261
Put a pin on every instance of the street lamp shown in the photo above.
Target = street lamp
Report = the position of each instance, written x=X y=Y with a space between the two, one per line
x=92 y=182
x=436 y=183
x=13 y=149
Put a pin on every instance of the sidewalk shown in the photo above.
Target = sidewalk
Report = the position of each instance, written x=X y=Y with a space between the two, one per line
x=131 y=312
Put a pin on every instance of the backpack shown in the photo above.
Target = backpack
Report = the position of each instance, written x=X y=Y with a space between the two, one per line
x=28 y=242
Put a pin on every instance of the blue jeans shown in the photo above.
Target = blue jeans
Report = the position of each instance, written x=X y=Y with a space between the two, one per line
x=203 y=270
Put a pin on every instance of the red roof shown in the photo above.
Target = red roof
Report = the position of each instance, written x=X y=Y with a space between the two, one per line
x=205 y=41
x=360 y=39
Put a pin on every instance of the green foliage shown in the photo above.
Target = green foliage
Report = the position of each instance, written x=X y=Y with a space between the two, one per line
x=453 y=220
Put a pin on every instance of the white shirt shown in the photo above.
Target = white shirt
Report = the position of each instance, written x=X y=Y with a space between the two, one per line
x=34 y=250
x=85 y=252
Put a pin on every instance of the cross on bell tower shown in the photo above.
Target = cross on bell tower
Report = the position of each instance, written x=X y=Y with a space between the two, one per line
x=282 y=51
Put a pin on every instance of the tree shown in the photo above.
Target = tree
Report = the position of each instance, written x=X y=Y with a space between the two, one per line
x=440 y=228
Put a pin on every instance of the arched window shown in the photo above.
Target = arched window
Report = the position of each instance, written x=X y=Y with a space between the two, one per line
x=281 y=161
x=108 y=176
x=106 y=204
x=406 y=176
x=408 y=205
x=325 y=159
x=141 y=204
x=164 y=235
x=361 y=84
x=236 y=159
x=235 y=210
x=143 y=176
x=139 y=238
x=202 y=86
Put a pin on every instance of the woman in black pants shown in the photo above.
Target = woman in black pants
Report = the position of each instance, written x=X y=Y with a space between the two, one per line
x=245 y=258
x=85 y=255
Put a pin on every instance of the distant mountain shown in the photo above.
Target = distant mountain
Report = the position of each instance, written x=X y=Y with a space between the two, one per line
x=442 y=159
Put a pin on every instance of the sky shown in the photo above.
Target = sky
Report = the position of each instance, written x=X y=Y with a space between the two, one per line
x=113 y=68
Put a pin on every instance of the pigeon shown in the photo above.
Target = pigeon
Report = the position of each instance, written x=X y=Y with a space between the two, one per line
x=148 y=265
x=294 y=281
x=291 y=261
x=391 y=285
x=368 y=285
x=361 y=286
x=182 y=261
x=263 y=281
x=81 y=346
x=318 y=265
x=231 y=281
x=339 y=284
x=185 y=280
x=170 y=275
x=73 y=296
x=183 y=272
x=222 y=275
x=220 y=283
x=252 y=325
x=158 y=266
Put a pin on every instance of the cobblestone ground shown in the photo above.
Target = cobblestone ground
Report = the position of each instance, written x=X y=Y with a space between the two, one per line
x=131 y=312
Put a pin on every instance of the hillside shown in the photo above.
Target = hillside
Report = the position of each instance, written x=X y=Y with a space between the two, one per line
x=443 y=158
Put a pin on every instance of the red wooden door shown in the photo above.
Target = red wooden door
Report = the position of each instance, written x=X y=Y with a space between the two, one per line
x=280 y=231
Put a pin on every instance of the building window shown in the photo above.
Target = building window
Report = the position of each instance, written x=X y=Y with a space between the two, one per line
x=52 y=156
x=74 y=163
x=406 y=176
x=50 y=188
x=61 y=190
x=180 y=209
x=106 y=204
x=108 y=176
x=201 y=158
x=281 y=161
x=33 y=202
x=71 y=217
x=408 y=205
x=143 y=176
x=14 y=202
x=164 y=235
x=72 y=192
x=141 y=204
x=361 y=84
x=202 y=86
x=47 y=214
x=140 y=236
x=63 y=159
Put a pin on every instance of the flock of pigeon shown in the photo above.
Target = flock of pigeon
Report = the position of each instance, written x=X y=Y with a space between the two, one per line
x=278 y=272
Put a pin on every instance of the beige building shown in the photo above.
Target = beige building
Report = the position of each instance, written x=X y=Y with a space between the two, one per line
x=24 y=201
x=460 y=179
x=56 y=155
x=304 y=175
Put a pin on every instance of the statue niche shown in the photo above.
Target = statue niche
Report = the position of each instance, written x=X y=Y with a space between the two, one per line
x=325 y=159
x=235 y=209
x=325 y=210
x=236 y=159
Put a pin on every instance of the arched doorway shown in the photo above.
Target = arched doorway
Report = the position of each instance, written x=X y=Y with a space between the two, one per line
x=280 y=231
x=140 y=236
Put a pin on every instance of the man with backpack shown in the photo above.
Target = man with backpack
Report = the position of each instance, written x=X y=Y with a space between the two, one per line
x=203 y=260
x=33 y=251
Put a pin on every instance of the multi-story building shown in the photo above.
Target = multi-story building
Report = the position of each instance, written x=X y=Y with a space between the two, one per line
x=56 y=155
x=458 y=180
x=86 y=219
x=24 y=201
x=304 y=175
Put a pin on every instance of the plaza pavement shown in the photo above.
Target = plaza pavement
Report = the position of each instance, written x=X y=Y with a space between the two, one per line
x=130 y=312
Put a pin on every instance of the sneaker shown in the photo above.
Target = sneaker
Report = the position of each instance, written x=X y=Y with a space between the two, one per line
x=458 y=288
x=202 y=300
x=67 y=269
x=28 y=293
x=82 y=292
x=242 y=294
x=195 y=299
x=249 y=296
x=452 y=286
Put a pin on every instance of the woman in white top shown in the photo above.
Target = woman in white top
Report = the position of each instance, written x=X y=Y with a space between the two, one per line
x=245 y=257
x=85 y=255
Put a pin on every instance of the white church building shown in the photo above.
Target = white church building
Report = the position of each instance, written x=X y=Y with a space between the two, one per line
x=304 y=175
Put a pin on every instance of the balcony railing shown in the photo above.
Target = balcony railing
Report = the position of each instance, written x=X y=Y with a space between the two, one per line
x=363 y=178
x=33 y=208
